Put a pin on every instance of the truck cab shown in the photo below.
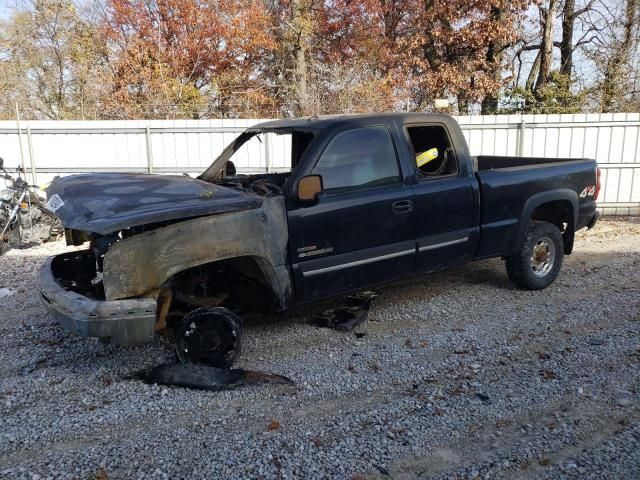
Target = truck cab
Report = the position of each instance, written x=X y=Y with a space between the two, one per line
x=378 y=216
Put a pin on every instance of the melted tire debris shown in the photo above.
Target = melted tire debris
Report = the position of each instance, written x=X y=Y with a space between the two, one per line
x=349 y=316
x=203 y=377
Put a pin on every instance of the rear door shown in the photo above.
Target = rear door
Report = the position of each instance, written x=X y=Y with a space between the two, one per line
x=360 y=232
x=445 y=199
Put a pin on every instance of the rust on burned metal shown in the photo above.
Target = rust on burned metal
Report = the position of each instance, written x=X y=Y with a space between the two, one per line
x=140 y=264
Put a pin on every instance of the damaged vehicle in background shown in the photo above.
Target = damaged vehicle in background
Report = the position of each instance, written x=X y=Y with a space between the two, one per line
x=368 y=199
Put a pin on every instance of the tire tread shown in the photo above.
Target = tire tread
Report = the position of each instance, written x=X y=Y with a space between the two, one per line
x=518 y=266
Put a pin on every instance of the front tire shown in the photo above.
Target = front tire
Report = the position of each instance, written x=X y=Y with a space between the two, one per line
x=210 y=336
x=537 y=263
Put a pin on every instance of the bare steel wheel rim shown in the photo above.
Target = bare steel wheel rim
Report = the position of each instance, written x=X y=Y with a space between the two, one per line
x=543 y=256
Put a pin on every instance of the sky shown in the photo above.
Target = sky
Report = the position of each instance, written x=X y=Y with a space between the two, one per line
x=6 y=7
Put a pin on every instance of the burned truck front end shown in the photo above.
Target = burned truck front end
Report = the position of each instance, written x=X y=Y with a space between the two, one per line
x=155 y=247
x=69 y=291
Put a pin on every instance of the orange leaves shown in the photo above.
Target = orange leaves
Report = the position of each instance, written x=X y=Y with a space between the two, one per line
x=208 y=58
x=167 y=53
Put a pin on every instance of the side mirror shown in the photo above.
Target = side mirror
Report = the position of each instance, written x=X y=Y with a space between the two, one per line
x=309 y=187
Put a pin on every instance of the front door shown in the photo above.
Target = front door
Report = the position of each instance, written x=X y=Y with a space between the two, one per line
x=360 y=232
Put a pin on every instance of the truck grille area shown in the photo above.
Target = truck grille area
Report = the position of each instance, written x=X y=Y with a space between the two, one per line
x=76 y=272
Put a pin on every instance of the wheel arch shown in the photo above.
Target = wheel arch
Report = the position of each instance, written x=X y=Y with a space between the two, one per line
x=555 y=206
x=254 y=267
x=141 y=264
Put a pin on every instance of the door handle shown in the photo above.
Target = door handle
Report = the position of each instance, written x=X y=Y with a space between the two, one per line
x=402 y=206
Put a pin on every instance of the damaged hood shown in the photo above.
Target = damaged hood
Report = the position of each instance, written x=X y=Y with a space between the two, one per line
x=108 y=202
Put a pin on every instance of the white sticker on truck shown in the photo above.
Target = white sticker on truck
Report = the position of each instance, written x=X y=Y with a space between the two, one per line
x=54 y=203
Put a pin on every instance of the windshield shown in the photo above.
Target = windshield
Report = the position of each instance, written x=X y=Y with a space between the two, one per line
x=260 y=151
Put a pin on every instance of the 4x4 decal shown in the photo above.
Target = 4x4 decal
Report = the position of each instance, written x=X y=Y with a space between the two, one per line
x=589 y=191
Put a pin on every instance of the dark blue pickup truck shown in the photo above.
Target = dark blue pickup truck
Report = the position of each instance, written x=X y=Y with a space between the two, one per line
x=367 y=199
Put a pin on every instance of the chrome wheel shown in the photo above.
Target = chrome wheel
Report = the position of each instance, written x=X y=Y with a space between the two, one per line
x=543 y=256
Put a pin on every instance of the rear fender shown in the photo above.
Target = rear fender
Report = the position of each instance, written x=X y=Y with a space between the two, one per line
x=561 y=194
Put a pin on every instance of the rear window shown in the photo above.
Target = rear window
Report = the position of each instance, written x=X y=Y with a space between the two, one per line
x=432 y=151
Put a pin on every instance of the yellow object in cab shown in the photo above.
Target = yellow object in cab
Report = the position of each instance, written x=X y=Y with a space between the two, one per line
x=426 y=157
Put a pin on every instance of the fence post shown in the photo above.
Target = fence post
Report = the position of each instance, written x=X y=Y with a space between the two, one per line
x=34 y=177
x=521 y=130
x=267 y=152
x=147 y=136
x=19 y=137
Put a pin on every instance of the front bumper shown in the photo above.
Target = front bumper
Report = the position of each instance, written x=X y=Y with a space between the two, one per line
x=128 y=322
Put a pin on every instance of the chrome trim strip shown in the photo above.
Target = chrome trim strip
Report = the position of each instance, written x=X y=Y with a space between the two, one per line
x=333 y=268
x=443 y=244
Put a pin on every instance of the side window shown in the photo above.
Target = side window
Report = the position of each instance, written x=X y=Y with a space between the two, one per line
x=432 y=149
x=359 y=158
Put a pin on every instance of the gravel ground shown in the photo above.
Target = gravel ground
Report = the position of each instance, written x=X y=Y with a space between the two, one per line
x=458 y=375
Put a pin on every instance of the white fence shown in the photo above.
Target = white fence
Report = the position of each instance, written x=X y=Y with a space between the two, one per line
x=51 y=148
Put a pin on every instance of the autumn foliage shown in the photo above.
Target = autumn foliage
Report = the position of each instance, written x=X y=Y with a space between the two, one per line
x=272 y=58
x=183 y=57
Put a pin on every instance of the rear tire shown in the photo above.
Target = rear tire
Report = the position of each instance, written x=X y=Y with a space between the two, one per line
x=537 y=263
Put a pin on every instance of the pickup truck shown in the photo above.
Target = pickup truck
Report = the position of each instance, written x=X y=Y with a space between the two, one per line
x=358 y=207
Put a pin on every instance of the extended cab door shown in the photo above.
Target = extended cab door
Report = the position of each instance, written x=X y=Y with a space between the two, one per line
x=446 y=198
x=359 y=231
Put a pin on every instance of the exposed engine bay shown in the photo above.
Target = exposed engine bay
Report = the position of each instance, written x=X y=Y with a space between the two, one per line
x=195 y=284
x=267 y=184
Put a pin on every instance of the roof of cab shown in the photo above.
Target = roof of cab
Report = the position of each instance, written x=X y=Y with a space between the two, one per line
x=326 y=121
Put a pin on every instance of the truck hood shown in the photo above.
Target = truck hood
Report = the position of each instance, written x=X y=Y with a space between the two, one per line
x=108 y=202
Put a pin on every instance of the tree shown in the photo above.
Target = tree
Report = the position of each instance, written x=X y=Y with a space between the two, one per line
x=555 y=96
x=51 y=63
x=495 y=57
x=176 y=58
x=454 y=49
x=612 y=85
x=548 y=12
x=567 y=46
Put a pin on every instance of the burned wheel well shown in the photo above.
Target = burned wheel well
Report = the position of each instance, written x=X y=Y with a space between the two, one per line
x=559 y=213
x=239 y=284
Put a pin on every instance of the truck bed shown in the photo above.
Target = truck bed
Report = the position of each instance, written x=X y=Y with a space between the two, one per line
x=496 y=162
x=508 y=183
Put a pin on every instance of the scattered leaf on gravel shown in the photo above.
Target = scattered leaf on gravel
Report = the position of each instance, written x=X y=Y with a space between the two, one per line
x=547 y=374
x=273 y=425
